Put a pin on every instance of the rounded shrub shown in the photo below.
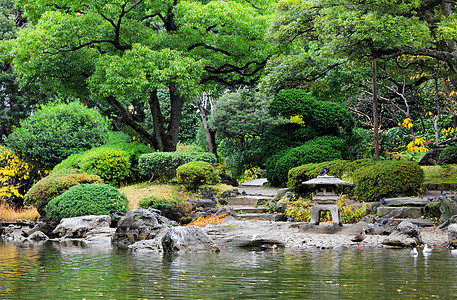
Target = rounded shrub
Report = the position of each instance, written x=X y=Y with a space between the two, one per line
x=388 y=179
x=87 y=199
x=278 y=166
x=196 y=173
x=291 y=102
x=55 y=131
x=448 y=155
x=113 y=166
x=54 y=185
x=285 y=136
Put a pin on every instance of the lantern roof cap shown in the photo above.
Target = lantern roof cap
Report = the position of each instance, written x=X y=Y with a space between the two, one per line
x=326 y=180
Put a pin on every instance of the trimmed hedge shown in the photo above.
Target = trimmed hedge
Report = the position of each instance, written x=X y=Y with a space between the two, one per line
x=163 y=165
x=196 y=173
x=87 y=199
x=278 y=166
x=114 y=163
x=291 y=102
x=448 y=155
x=54 y=185
x=388 y=179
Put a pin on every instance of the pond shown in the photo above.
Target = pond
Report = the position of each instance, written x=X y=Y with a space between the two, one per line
x=65 y=270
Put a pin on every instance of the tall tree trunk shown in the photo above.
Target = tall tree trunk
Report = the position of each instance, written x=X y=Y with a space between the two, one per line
x=170 y=139
x=128 y=120
x=209 y=134
x=375 y=111
x=157 y=119
x=438 y=114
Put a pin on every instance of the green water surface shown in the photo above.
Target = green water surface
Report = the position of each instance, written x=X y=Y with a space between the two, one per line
x=76 y=271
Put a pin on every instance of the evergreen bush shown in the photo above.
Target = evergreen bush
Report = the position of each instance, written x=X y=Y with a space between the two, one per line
x=87 y=199
x=163 y=165
x=448 y=155
x=196 y=173
x=388 y=179
x=171 y=209
x=54 y=185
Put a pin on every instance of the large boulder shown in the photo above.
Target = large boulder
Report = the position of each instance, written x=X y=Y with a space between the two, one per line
x=177 y=239
x=139 y=224
x=78 y=227
x=452 y=235
x=448 y=208
x=406 y=235
x=188 y=238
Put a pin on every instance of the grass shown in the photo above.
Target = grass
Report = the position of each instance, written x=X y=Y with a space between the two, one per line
x=440 y=174
x=8 y=214
x=165 y=192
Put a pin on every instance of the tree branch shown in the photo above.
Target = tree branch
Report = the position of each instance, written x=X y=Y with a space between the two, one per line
x=209 y=48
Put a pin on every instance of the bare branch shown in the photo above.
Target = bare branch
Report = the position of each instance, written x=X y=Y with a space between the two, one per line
x=209 y=48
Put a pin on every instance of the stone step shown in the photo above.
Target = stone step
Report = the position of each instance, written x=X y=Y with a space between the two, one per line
x=262 y=216
x=255 y=182
x=249 y=209
x=248 y=200
x=402 y=212
x=407 y=201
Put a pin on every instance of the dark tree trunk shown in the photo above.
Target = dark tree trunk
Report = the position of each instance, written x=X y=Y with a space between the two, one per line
x=375 y=111
x=209 y=134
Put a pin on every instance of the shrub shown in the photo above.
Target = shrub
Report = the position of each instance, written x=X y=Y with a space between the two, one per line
x=163 y=165
x=87 y=199
x=278 y=166
x=16 y=176
x=55 y=131
x=171 y=209
x=114 y=163
x=448 y=155
x=291 y=102
x=196 y=173
x=285 y=136
x=328 y=117
x=388 y=179
x=54 y=185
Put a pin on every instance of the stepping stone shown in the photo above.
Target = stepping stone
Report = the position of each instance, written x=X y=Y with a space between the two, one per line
x=407 y=201
x=400 y=212
x=247 y=200
x=249 y=209
x=262 y=216
x=255 y=182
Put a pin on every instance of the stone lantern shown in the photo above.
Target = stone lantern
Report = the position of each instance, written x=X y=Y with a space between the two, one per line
x=326 y=197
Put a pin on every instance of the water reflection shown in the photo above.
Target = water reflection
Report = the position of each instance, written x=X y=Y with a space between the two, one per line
x=68 y=270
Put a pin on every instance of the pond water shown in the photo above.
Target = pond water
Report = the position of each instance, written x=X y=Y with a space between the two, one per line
x=65 y=270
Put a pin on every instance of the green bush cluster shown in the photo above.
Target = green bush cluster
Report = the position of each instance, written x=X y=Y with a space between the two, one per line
x=163 y=165
x=388 y=179
x=196 y=173
x=87 y=199
x=373 y=179
x=448 y=155
x=171 y=209
x=54 y=185
x=291 y=102
x=56 y=131
x=114 y=163
x=314 y=151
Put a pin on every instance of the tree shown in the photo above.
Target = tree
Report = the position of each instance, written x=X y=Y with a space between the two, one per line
x=124 y=50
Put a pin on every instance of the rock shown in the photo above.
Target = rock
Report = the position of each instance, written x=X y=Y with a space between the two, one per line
x=100 y=235
x=431 y=157
x=448 y=208
x=204 y=203
x=400 y=212
x=207 y=193
x=115 y=217
x=281 y=193
x=406 y=235
x=452 y=235
x=407 y=201
x=38 y=236
x=188 y=238
x=226 y=179
x=139 y=224
x=78 y=227
x=45 y=227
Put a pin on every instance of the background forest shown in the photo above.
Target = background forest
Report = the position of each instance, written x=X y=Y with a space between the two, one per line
x=260 y=84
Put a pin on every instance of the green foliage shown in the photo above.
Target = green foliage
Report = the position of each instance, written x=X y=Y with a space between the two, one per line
x=240 y=157
x=285 y=136
x=171 y=209
x=388 y=179
x=448 y=155
x=55 y=131
x=163 y=165
x=87 y=199
x=336 y=168
x=278 y=165
x=115 y=163
x=328 y=117
x=54 y=185
x=196 y=173
x=291 y=102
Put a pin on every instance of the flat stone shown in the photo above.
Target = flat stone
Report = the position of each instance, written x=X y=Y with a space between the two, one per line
x=407 y=201
x=249 y=209
x=255 y=182
x=247 y=200
x=400 y=212
x=262 y=216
